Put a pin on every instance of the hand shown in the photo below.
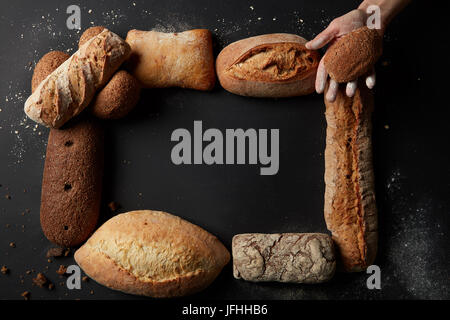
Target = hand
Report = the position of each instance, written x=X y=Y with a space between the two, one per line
x=338 y=27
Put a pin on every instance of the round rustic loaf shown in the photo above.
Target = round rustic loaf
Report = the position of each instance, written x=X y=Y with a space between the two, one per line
x=353 y=55
x=118 y=97
x=90 y=33
x=48 y=63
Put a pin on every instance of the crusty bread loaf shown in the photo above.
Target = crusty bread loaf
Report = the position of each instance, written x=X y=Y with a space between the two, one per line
x=161 y=60
x=117 y=98
x=286 y=257
x=89 y=33
x=271 y=65
x=48 y=63
x=152 y=253
x=350 y=207
x=71 y=87
x=353 y=55
x=72 y=182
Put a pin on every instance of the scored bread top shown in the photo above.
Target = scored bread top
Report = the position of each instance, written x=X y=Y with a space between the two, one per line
x=71 y=87
x=272 y=57
x=156 y=251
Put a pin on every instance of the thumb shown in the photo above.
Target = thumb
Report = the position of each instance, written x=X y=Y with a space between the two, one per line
x=322 y=39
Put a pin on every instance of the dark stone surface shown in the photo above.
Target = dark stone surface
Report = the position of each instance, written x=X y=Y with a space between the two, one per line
x=411 y=157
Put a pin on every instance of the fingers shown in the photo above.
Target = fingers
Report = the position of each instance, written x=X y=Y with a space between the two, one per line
x=370 y=81
x=351 y=88
x=322 y=38
x=321 y=77
x=332 y=91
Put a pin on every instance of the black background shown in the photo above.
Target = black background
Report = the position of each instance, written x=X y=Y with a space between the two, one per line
x=410 y=147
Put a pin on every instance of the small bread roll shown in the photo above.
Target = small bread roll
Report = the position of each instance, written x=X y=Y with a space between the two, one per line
x=48 y=63
x=90 y=33
x=118 y=97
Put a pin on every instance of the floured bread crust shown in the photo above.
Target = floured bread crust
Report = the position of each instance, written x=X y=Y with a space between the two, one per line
x=71 y=87
x=161 y=60
x=286 y=257
x=152 y=253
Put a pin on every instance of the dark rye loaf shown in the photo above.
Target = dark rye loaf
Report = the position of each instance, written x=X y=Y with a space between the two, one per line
x=72 y=182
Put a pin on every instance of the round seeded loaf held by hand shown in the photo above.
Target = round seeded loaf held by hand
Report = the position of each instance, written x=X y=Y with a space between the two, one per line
x=152 y=253
x=353 y=55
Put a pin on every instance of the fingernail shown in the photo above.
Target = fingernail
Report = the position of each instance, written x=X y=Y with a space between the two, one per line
x=370 y=82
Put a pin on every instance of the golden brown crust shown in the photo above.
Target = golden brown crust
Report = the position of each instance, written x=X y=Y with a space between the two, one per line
x=161 y=60
x=71 y=87
x=270 y=65
x=350 y=207
x=48 y=63
x=89 y=33
x=152 y=253
x=118 y=97
x=72 y=182
x=353 y=55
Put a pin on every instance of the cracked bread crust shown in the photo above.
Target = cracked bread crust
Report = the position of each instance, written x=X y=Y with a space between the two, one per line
x=285 y=257
x=272 y=65
x=71 y=87
x=152 y=253
x=350 y=207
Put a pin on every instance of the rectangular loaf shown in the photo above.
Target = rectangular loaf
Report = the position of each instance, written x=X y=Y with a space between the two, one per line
x=285 y=257
x=162 y=60
x=350 y=207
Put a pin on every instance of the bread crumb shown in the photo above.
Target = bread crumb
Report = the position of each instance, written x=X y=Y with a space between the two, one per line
x=62 y=270
x=8 y=197
x=113 y=206
x=85 y=279
x=40 y=280
x=26 y=295
x=386 y=126
x=4 y=270
x=55 y=252
x=12 y=244
x=252 y=8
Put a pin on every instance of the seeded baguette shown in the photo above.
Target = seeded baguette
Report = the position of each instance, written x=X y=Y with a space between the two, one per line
x=72 y=182
x=162 y=60
x=350 y=207
x=71 y=87
x=286 y=257
x=271 y=65
x=152 y=253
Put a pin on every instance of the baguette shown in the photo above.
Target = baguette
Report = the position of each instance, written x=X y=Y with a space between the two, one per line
x=72 y=182
x=162 y=60
x=271 y=65
x=48 y=63
x=152 y=253
x=350 y=207
x=72 y=86
x=287 y=257
x=353 y=55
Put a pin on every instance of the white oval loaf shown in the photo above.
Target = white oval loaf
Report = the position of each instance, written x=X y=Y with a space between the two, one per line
x=152 y=253
x=271 y=66
x=71 y=87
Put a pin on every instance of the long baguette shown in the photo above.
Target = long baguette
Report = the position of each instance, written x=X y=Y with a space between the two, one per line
x=71 y=87
x=350 y=208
